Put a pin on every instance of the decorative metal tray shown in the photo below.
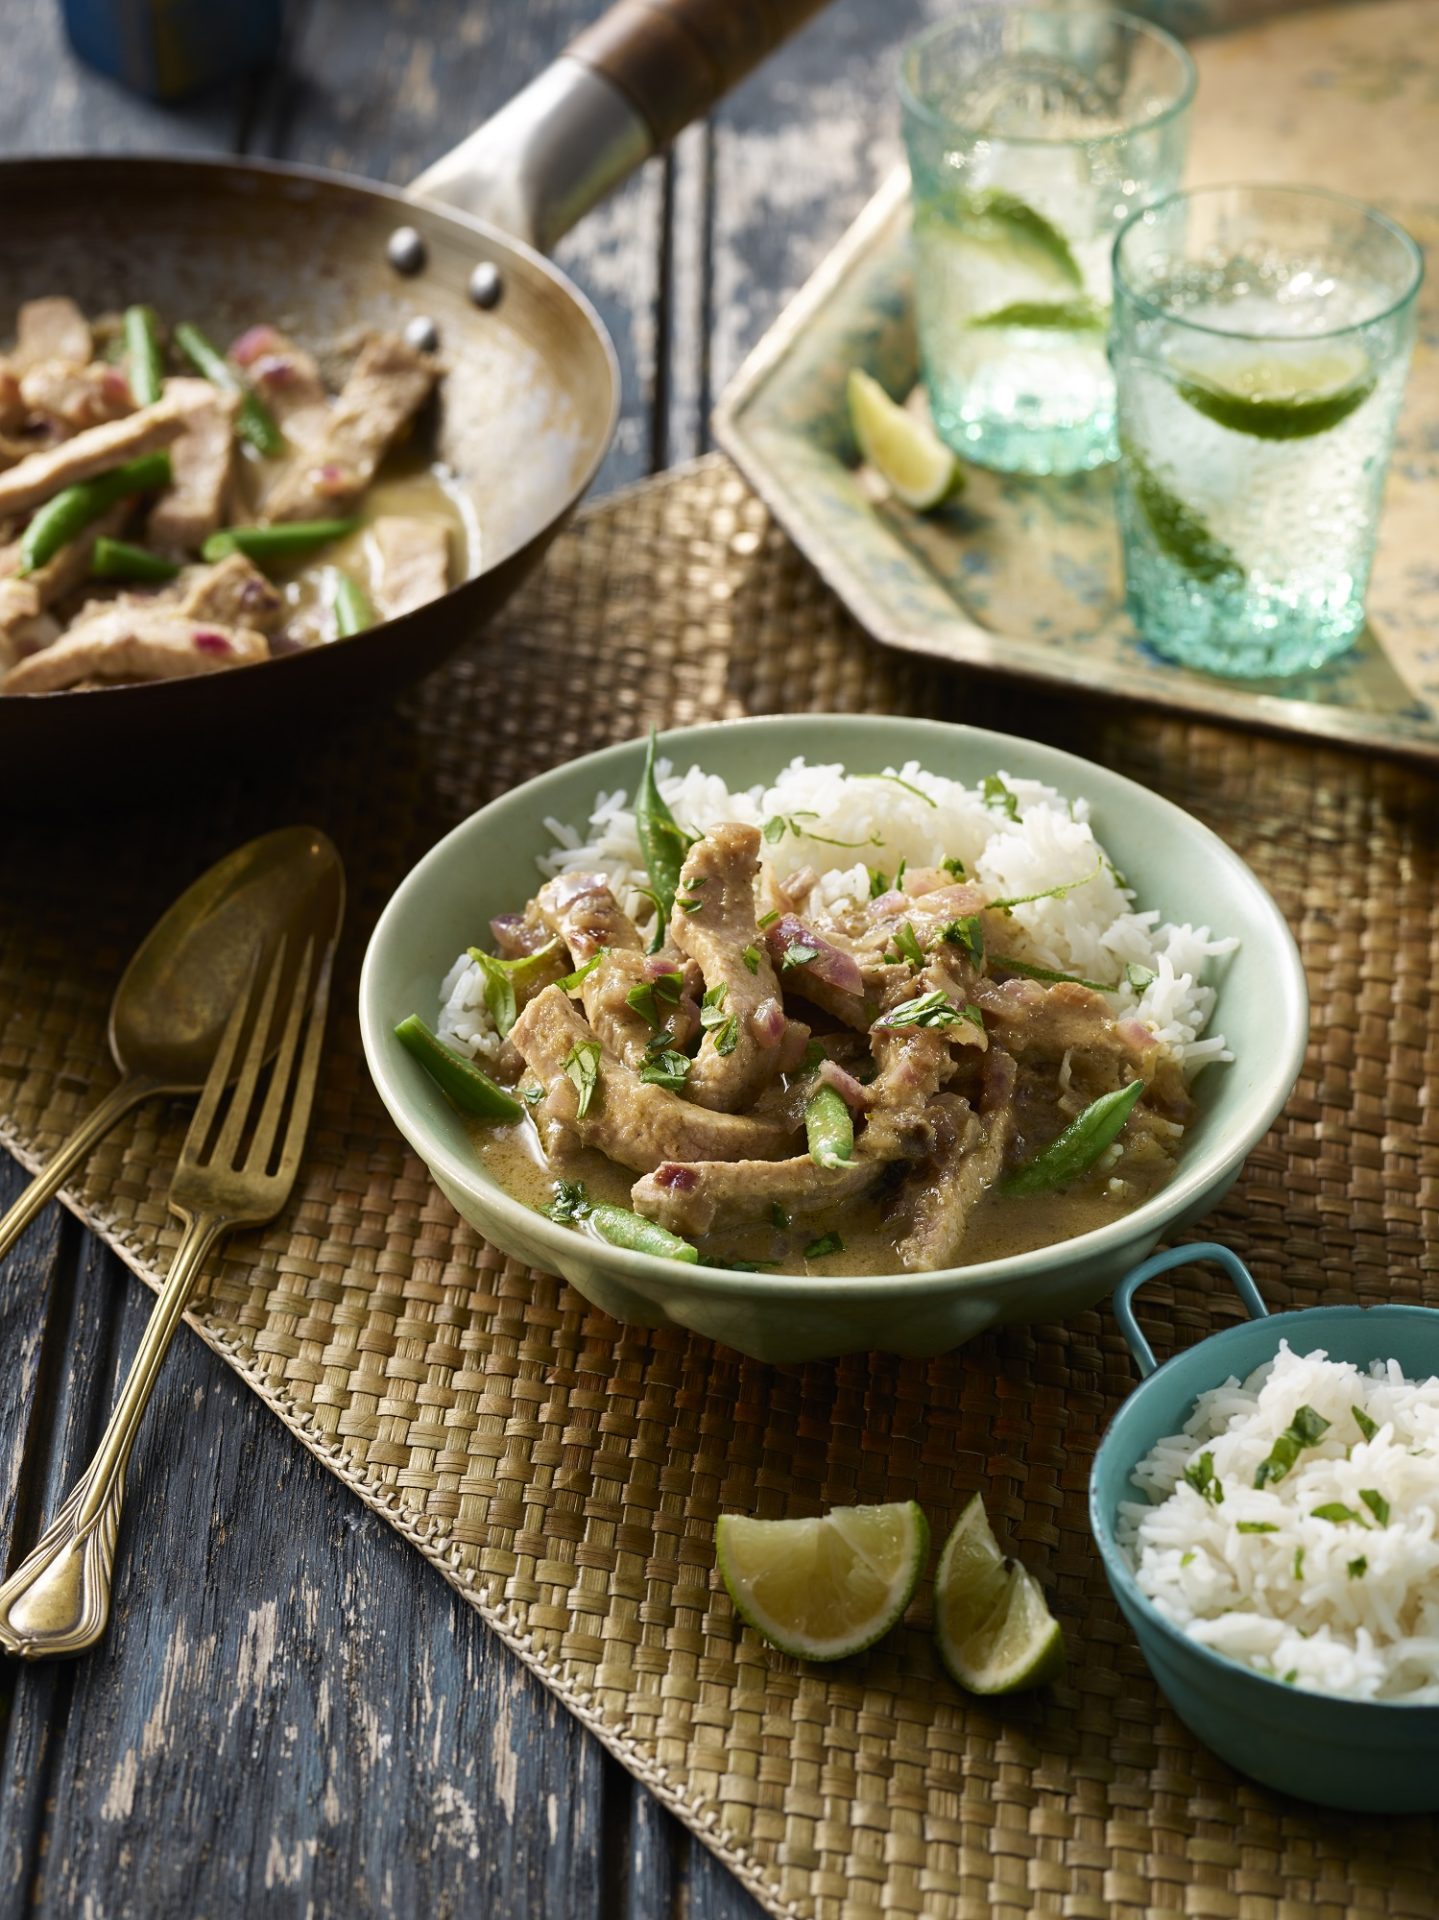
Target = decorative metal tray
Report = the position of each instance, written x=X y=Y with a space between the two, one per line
x=1024 y=575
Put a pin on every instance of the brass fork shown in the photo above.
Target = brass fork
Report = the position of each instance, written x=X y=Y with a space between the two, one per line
x=57 y=1600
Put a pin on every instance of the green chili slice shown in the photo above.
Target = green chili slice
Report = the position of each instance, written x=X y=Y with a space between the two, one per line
x=662 y=842
x=472 y=1091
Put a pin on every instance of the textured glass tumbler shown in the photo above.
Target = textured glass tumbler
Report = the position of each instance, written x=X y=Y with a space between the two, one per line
x=1033 y=134
x=1261 y=340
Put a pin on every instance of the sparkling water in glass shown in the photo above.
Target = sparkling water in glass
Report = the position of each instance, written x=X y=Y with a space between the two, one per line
x=1033 y=134
x=1261 y=340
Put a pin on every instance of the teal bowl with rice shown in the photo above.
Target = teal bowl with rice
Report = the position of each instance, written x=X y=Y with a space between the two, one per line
x=488 y=864
x=1364 y=1756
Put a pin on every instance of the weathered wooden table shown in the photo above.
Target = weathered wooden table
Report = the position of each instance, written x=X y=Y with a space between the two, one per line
x=292 y=1714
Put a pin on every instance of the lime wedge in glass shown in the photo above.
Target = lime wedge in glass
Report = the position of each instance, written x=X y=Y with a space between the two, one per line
x=823 y=1589
x=1178 y=530
x=1273 y=392
x=1006 y=222
x=1062 y=316
x=916 y=465
x=994 y=1631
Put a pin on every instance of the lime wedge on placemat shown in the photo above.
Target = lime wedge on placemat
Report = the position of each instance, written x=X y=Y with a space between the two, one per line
x=919 y=468
x=825 y=1588
x=995 y=1633
x=1274 y=393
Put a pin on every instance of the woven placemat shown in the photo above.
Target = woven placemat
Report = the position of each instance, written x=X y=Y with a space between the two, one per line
x=564 y=1473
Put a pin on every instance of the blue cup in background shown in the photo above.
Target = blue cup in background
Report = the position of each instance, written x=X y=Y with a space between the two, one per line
x=165 y=49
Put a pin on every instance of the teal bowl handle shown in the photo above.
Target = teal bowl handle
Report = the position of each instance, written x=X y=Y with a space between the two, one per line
x=1124 y=1293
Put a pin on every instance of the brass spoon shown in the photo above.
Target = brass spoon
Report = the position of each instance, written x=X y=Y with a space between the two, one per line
x=170 y=1009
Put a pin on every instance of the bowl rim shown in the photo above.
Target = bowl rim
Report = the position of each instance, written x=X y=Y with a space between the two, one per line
x=1275 y=1081
x=1116 y=1563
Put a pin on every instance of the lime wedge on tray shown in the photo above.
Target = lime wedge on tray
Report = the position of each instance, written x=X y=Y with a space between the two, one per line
x=1178 y=530
x=1277 y=394
x=912 y=460
x=995 y=1633
x=826 y=1588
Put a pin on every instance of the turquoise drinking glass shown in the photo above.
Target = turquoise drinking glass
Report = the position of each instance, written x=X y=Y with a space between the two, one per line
x=1033 y=134
x=1261 y=341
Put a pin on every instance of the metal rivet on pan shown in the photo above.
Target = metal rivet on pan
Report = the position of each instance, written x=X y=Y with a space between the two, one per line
x=422 y=333
x=486 y=286
x=406 y=250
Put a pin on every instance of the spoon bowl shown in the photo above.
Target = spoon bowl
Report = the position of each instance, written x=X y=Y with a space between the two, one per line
x=170 y=1009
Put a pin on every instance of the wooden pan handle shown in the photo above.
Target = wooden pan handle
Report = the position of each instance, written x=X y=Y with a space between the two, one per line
x=673 y=59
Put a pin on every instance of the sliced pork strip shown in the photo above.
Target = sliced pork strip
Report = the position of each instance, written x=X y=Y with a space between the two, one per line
x=830 y=980
x=50 y=329
x=202 y=460
x=232 y=593
x=604 y=994
x=23 y=628
x=132 y=642
x=940 y=1198
x=691 y=1198
x=637 y=1124
x=36 y=478
x=411 y=563
x=389 y=383
x=288 y=380
x=713 y=923
x=583 y=912
x=73 y=398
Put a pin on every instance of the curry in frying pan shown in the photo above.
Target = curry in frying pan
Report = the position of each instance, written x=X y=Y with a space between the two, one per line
x=170 y=509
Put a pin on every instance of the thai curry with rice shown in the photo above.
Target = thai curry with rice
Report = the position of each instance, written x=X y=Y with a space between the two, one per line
x=769 y=1082
x=167 y=509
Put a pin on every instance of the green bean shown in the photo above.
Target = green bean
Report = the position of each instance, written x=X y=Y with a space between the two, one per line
x=631 y=1230
x=119 y=560
x=829 y=1129
x=145 y=367
x=62 y=519
x=284 y=542
x=254 y=422
x=1080 y=1145
x=662 y=842
x=354 y=610
x=472 y=1091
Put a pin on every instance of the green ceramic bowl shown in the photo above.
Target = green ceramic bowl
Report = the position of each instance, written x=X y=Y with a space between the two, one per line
x=1363 y=1755
x=487 y=864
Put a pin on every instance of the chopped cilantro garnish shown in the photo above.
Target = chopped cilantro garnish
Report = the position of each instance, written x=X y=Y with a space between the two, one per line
x=967 y=934
x=666 y=1069
x=826 y=1243
x=1306 y=1429
x=797 y=954
x=582 y=1070
x=1048 y=893
x=767 y=919
x=1299 y=1563
x=778 y=1215
x=571 y=1202
x=775 y=829
x=1376 y=1504
x=751 y=957
x=1201 y=1476
x=647 y=996
x=907 y=946
x=1009 y=964
x=997 y=794
x=1138 y=977
x=909 y=787
x=929 y=1010
x=954 y=865
x=1257 y=1526
x=1358 y=1568
x=1336 y=1512
x=1365 y=1425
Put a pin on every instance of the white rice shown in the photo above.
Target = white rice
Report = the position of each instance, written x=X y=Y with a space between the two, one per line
x=1346 y=1606
x=921 y=818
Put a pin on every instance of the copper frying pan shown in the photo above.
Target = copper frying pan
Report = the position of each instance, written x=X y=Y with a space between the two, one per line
x=529 y=406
